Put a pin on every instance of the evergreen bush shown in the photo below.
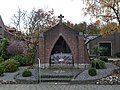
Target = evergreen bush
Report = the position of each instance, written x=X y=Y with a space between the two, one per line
x=27 y=73
x=98 y=64
x=1 y=69
x=1 y=59
x=104 y=58
x=23 y=60
x=93 y=63
x=92 y=71
x=101 y=64
x=3 y=46
x=10 y=65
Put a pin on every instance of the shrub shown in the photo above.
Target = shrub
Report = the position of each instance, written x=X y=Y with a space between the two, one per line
x=30 y=60
x=99 y=50
x=104 y=51
x=10 y=65
x=3 y=47
x=101 y=64
x=26 y=73
x=1 y=69
x=93 y=63
x=92 y=72
x=96 y=50
x=98 y=64
x=20 y=58
x=104 y=58
x=23 y=60
x=1 y=59
x=17 y=47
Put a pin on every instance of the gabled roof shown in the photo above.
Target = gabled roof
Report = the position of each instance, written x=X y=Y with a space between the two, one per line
x=1 y=23
x=60 y=26
x=6 y=30
x=91 y=38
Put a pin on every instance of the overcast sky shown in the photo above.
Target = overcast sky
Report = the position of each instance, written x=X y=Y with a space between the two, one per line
x=71 y=9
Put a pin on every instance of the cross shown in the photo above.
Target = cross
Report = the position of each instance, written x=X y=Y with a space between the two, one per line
x=60 y=18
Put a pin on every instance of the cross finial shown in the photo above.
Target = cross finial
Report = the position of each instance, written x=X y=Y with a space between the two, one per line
x=60 y=18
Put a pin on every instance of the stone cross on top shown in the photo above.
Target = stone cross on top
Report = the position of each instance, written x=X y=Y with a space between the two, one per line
x=60 y=18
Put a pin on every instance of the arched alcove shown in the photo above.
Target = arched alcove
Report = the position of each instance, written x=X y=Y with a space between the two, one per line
x=61 y=46
x=61 y=52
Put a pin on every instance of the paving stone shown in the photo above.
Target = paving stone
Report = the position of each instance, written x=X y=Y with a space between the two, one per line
x=58 y=87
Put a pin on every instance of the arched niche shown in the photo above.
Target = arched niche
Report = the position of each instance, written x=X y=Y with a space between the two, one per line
x=61 y=51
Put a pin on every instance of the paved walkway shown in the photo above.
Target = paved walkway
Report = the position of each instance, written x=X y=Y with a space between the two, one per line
x=58 y=87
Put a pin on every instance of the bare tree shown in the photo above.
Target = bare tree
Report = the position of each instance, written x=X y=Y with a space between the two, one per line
x=17 y=19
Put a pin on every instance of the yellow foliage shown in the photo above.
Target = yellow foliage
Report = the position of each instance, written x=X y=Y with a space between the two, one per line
x=106 y=10
x=109 y=28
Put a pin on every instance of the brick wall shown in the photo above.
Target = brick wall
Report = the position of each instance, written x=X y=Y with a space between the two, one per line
x=75 y=43
x=114 y=39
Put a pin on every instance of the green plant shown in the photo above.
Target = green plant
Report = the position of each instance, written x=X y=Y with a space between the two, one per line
x=93 y=63
x=23 y=60
x=5 y=56
x=99 y=51
x=1 y=69
x=10 y=65
x=103 y=51
x=1 y=59
x=104 y=58
x=30 y=60
x=101 y=64
x=3 y=47
x=92 y=71
x=0 y=48
x=27 y=73
x=96 y=50
x=31 y=54
x=98 y=64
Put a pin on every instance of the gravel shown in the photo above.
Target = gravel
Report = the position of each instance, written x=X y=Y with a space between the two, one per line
x=8 y=76
x=83 y=76
x=100 y=73
x=33 y=77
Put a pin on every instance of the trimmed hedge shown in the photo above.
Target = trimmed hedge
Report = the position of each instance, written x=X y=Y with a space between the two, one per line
x=92 y=72
x=98 y=64
x=27 y=73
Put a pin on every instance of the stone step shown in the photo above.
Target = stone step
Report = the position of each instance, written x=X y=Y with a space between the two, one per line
x=55 y=79
x=56 y=76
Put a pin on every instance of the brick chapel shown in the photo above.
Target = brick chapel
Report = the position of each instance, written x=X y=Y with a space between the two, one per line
x=62 y=45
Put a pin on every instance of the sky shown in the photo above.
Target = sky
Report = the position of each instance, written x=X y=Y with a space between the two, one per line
x=71 y=9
